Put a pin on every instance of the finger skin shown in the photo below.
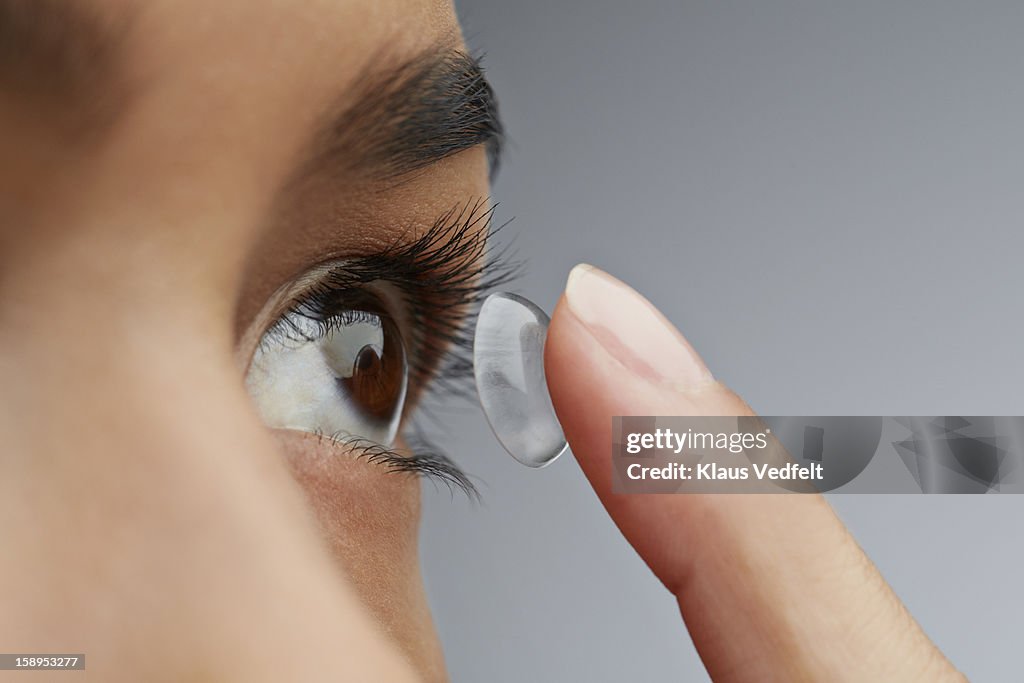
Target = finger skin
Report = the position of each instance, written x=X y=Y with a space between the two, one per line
x=771 y=587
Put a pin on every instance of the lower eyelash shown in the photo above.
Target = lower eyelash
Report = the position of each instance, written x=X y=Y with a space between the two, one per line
x=421 y=460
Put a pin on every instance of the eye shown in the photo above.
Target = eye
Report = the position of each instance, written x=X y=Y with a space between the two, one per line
x=345 y=374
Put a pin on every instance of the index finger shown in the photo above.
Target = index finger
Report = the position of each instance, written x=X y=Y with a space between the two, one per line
x=772 y=587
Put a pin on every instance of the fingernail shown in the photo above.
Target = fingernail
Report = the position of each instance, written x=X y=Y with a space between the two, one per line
x=632 y=330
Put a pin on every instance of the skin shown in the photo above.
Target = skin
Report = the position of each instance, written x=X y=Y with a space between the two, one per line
x=193 y=542
x=151 y=520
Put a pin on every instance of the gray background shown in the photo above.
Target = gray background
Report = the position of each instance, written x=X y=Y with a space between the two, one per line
x=826 y=198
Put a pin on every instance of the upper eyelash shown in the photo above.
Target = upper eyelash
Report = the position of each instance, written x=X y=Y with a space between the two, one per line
x=442 y=275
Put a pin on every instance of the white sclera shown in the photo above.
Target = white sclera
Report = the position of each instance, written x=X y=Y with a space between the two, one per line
x=508 y=362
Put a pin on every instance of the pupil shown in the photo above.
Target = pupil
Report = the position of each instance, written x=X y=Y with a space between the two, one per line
x=366 y=359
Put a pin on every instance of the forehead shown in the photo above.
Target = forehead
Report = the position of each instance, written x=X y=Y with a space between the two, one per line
x=310 y=41
x=226 y=84
x=70 y=41
x=74 y=56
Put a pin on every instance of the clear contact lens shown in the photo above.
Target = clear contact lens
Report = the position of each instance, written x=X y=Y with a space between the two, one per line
x=508 y=362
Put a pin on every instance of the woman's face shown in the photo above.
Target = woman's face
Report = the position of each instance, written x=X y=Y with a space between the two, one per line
x=189 y=186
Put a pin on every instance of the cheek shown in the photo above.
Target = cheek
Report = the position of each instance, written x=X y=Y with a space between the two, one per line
x=369 y=517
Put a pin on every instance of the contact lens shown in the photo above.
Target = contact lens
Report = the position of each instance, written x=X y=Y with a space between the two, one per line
x=508 y=363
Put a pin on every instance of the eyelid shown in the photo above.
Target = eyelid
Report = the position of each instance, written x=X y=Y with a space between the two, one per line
x=291 y=295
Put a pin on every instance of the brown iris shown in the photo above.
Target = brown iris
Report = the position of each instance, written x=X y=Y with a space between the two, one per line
x=365 y=352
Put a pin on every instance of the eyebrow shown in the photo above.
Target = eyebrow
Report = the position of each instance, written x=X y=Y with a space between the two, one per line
x=411 y=115
x=64 y=51
x=62 y=58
